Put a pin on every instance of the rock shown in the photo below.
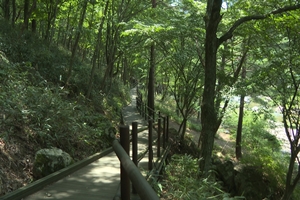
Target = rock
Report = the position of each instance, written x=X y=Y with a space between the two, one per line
x=251 y=183
x=51 y=160
x=226 y=173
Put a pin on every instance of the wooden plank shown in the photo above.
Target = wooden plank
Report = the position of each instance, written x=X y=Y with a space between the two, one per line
x=98 y=180
x=41 y=183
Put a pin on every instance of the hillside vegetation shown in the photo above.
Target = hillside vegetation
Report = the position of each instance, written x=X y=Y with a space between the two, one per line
x=38 y=110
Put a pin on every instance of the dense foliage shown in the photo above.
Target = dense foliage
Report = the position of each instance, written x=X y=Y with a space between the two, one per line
x=64 y=65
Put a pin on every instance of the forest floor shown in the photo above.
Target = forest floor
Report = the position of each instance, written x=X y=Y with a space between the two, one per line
x=16 y=161
x=223 y=141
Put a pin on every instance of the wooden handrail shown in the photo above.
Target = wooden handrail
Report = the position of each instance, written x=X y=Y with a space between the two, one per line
x=126 y=164
x=143 y=188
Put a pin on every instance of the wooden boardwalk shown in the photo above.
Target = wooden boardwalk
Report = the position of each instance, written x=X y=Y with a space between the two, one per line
x=100 y=179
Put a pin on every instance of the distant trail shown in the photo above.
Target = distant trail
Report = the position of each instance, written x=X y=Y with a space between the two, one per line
x=130 y=112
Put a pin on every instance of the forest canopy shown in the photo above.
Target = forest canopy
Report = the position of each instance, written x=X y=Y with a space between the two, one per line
x=203 y=54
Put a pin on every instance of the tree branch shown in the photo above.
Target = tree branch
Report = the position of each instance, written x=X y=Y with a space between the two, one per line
x=242 y=20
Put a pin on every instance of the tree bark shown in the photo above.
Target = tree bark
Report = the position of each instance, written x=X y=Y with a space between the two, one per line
x=151 y=82
x=97 y=49
x=209 y=120
x=26 y=14
x=14 y=12
x=77 y=37
x=208 y=111
x=33 y=22
x=238 y=143
x=6 y=9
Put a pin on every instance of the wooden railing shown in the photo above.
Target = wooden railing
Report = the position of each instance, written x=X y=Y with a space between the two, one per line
x=129 y=169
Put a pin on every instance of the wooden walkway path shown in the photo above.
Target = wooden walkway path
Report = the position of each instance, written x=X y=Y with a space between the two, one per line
x=100 y=179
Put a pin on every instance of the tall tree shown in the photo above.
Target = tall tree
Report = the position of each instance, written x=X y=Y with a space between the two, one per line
x=238 y=143
x=209 y=115
x=77 y=37
x=6 y=9
x=151 y=77
x=26 y=14
x=279 y=73
x=97 y=50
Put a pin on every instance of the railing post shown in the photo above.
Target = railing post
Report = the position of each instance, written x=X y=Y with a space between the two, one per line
x=134 y=148
x=167 y=130
x=145 y=110
x=153 y=113
x=142 y=109
x=125 y=181
x=137 y=104
x=164 y=132
x=158 y=137
x=150 y=153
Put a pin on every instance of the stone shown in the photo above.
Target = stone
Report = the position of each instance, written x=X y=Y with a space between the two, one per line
x=251 y=183
x=226 y=173
x=51 y=160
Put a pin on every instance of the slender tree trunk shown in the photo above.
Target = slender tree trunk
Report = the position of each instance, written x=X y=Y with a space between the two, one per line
x=14 y=12
x=238 y=147
x=96 y=52
x=26 y=14
x=77 y=37
x=6 y=9
x=199 y=111
x=52 y=12
x=208 y=111
x=33 y=22
x=151 y=82
x=182 y=128
x=290 y=183
x=125 y=71
x=238 y=143
x=67 y=32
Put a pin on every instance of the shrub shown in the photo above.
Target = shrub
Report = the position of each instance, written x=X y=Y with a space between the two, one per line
x=182 y=181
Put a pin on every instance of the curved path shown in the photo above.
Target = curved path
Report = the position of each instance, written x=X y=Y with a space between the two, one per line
x=98 y=180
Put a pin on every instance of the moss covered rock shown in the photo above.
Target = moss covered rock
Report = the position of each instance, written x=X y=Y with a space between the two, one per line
x=51 y=160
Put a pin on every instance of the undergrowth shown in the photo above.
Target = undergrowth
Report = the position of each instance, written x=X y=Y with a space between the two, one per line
x=36 y=104
x=182 y=181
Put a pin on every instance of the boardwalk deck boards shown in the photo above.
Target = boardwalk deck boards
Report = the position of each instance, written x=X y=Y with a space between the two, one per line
x=100 y=179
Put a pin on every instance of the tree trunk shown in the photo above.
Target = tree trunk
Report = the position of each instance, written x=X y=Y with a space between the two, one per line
x=183 y=128
x=26 y=14
x=14 y=12
x=52 y=12
x=289 y=186
x=238 y=147
x=77 y=37
x=151 y=82
x=67 y=30
x=6 y=9
x=33 y=22
x=208 y=111
x=96 y=52
x=199 y=111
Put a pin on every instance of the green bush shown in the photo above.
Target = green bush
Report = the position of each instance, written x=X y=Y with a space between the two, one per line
x=34 y=103
x=260 y=148
x=46 y=116
x=182 y=181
